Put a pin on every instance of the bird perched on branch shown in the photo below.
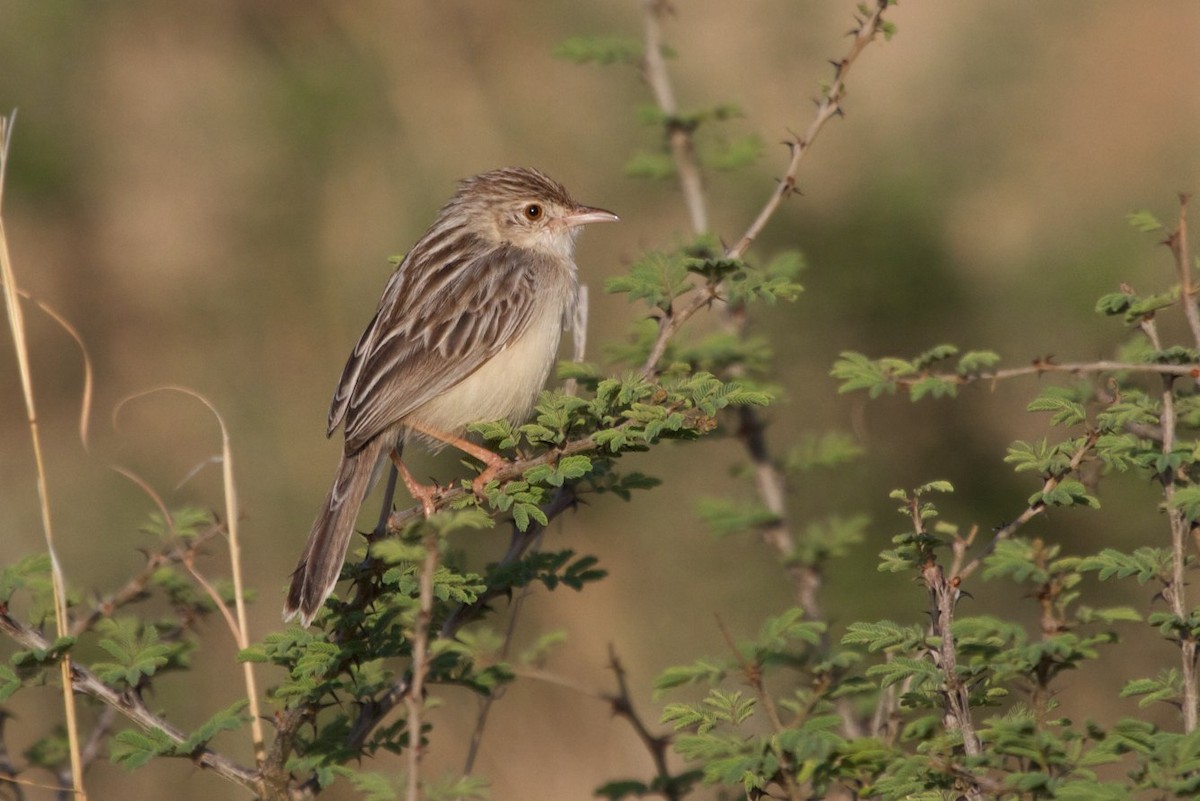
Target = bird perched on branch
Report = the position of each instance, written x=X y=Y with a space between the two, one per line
x=467 y=330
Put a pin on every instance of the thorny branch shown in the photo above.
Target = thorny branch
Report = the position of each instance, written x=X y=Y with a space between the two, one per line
x=1176 y=591
x=962 y=572
x=129 y=705
x=134 y=589
x=943 y=596
x=1048 y=365
x=752 y=429
x=414 y=699
x=828 y=107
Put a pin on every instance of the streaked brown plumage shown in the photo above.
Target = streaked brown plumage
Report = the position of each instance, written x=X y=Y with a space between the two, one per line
x=467 y=330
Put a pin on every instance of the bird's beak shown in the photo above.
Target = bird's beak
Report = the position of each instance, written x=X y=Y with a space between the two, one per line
x=582 y=215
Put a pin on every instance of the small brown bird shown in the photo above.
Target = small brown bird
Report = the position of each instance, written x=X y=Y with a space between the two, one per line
x=467 y=330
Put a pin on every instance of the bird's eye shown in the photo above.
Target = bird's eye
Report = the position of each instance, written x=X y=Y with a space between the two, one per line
x=533 y=212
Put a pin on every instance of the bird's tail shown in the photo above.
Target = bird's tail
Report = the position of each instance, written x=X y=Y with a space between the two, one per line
x=321 y=563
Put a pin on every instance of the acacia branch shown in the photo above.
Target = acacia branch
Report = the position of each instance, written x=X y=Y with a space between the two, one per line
x=414 y=699
x=135 y=588
x=828 y=107
x=1045 y=365
x=86 y=682
x=1178 y=243
x=943 y=597
x=1033 y=510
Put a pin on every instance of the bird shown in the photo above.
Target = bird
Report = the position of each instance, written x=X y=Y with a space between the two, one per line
x=466 y=330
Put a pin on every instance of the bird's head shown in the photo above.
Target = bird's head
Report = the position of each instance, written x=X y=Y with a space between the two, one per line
x=527 y=209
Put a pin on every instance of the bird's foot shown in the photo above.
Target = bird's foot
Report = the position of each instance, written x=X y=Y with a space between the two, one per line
x=492 y=465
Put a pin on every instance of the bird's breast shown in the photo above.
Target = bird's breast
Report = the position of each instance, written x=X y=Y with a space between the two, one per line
x=507 y=385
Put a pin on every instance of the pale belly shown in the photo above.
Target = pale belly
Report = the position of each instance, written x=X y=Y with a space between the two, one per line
x=505 y=387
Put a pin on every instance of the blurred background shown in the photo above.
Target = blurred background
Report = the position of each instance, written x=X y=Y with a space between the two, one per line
x=210 y=193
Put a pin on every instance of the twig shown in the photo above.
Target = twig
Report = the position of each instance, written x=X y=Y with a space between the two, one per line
x=806 y=580
x=1178 y=243
x=128 y=705
x=622 y=704
x=414 y=699
x=1030 y=512
x=17 y=325
x=679 y=135
x=135 y=587
x=1176 y=592
x=372 y=714
x=485 y=706
x=830 y=106
x=1041 y=366
x=753 y=676
x=943 y=596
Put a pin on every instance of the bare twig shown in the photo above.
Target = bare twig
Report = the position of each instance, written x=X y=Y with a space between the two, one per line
x=679 y=135
x=1178 y=243
x=372 y=714
x=830 y=106
x=621 y=703
x=485 y=705
x=752 y=430
x=17 y=326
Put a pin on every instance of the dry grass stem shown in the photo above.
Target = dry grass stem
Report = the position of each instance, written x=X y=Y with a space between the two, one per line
x=240 y=629
x=17 y=326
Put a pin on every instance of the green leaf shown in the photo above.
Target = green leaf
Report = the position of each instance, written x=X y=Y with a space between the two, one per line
x=856 y=371
x=1114 y=303
x=1144 y=221
x=602 y=50
x=733 y=154
x=31 y=572
x=974 y=362
x=656 y=278
x=1144 y=564
x=883 y=635
x=132 y=749
x=657 y=166
x=10 y=682
x=228 y=719
x=702 y=670
x=1187 y=500
x=725 y=517
x=1066 y=412
x=135 y=648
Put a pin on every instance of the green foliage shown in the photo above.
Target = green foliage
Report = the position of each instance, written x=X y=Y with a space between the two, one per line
x=1144 y=221
x=657 y=278
x=29 y=573
x=599 y=50
x=136 y=651
x=920 y=376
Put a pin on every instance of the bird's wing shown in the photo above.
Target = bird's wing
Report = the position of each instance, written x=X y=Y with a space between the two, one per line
x=434 y=327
